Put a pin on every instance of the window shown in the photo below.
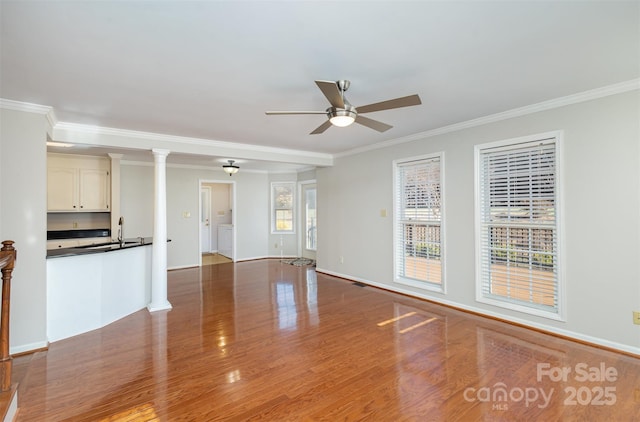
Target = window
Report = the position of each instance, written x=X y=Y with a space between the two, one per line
x=282 y=201
x=418 y=222
x=517 y=227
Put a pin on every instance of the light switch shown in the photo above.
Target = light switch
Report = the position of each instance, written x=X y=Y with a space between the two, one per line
x=383 y=212
x=186 y=214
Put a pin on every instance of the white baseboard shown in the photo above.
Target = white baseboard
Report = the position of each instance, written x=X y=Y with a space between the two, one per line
x=182 y=267
x=252 y=258
x=543 y=327
x=28 y=347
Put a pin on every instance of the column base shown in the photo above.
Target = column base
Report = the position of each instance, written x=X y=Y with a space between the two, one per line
x=153 y=307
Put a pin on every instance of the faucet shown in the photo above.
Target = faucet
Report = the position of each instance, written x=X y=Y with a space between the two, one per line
x=121 y=231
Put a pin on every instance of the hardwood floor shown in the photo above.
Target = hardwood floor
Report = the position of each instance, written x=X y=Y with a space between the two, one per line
x=262 y=340
x=214 y=259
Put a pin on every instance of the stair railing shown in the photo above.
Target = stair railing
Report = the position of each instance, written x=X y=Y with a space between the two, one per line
x=7 y=261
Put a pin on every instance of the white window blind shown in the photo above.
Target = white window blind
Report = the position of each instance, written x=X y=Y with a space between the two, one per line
x=418 y=222
x=518 y=227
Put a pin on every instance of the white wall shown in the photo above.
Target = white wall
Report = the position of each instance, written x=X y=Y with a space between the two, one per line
x=136 y=199
x=601 y=199
x=183 y=195
x=23 y=188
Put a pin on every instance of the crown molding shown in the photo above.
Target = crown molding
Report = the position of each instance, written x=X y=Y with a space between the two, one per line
x=307 y=168
x=48 y=111
x=150 y=136
x=22 y=106
x=592 y=94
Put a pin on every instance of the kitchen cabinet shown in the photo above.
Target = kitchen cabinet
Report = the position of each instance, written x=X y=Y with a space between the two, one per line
x=78 y=184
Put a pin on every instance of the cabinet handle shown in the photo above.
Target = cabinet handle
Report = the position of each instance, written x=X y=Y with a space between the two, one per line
x=81 y=206
x=74 y=206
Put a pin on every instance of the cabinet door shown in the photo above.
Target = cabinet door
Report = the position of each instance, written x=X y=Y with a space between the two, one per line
x=94 y=190
x=62 y=189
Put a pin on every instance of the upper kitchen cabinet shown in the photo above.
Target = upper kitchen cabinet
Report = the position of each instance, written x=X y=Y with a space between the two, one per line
x=77 y=183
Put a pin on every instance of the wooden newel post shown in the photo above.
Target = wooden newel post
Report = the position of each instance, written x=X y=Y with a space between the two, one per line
x=7 y=260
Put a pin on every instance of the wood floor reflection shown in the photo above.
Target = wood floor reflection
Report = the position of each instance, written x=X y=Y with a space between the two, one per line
x=263 y=340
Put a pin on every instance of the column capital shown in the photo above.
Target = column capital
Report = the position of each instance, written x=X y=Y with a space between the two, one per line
x=160 y=152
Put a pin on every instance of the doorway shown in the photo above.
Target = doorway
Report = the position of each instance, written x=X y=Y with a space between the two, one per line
x=217 y=225
x=309 y=231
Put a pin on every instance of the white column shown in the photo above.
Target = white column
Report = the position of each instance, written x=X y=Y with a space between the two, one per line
x=159 y=300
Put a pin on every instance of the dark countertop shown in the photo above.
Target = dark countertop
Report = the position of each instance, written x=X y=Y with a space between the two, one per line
x=99 y=247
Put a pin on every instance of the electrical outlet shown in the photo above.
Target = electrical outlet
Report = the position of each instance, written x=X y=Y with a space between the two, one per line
x=75 y=225
x=276 y=246
x=342 y=259
x=636 y=317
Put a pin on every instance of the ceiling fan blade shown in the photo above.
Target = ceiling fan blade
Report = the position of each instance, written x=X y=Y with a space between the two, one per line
x=407 y=101
x=321 y=128
x=275 y=113
x=373 y=124
x=332 y=92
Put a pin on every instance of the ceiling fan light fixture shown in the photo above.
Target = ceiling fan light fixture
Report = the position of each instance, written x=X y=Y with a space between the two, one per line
x=342 y=117
x=230 y=168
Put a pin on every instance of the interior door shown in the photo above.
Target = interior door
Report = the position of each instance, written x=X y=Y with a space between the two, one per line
x=309 y=221
x=205 y=219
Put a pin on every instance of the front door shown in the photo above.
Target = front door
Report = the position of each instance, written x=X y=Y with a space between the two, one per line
x=205 y=219
x=309 y=220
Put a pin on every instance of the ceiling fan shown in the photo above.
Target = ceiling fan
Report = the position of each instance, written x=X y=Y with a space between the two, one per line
x=342 y=114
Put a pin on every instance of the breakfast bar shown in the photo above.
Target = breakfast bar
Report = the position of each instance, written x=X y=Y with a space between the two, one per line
x=91 y=286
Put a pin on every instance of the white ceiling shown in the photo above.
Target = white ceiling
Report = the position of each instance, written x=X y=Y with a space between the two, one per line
x=210 y=69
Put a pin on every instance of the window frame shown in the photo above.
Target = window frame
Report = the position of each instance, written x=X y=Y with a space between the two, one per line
x=398 y=225
x=556 y=138
x=274 y=225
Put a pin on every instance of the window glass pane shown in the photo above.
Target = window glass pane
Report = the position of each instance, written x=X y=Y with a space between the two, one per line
x=422 y=253
x=283 y=197
x=284 y=220
x=310 y=212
